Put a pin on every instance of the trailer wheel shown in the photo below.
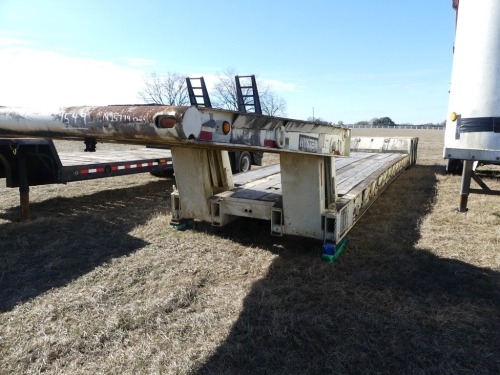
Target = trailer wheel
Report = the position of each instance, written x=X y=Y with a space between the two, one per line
x=244 y=162
x=167 y=173
x=454 y=166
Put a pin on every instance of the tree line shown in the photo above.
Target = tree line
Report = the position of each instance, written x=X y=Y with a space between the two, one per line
x=387 y=121
x=375 y=122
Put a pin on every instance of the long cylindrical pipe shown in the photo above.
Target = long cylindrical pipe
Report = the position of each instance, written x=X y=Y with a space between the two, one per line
x=168 y=125
x=132 y=123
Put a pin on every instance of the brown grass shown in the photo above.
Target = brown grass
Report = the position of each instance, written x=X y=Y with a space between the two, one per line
x=99 y=283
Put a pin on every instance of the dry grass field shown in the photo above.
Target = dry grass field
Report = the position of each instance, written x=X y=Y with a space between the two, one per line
x=98 y=282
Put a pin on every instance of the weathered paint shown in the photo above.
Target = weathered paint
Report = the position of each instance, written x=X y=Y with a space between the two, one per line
x=115 y=123
x=191 y=127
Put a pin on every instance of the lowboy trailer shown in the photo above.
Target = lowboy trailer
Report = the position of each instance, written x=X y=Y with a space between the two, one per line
x=320 y=191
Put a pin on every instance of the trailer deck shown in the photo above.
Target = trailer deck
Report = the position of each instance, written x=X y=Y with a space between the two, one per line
x=26 y=162
x=113 y=163
x=265 y=183
x=360 y=178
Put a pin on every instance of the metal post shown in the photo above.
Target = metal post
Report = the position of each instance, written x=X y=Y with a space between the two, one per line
x=465 y=187
x=24 y=189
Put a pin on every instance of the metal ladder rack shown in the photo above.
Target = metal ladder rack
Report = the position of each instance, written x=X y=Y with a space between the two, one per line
x=250 y=92
x=194 y=95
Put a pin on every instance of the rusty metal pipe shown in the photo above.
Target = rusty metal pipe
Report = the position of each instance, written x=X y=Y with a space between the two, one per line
x=176 y=126
x=140 y=124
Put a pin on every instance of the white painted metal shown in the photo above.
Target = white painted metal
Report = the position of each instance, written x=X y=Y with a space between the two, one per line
x=199 y=174
x=475 y=81
x=382 y=144
x=304 y=188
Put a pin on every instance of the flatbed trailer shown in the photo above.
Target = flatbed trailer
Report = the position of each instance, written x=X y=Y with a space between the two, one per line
x=26 y=162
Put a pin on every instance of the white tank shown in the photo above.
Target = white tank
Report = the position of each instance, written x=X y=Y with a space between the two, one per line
x=473 y=127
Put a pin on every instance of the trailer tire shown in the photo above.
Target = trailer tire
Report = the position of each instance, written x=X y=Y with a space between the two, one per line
x=454 y=166
x=244 y=162
x=167 y=173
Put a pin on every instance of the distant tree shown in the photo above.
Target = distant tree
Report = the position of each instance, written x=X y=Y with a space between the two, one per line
x=224 y=91
x=364 y=123
x=383 y=121
x=319 y=121
x=224 y=94
x=272 y=104
x=168 y=89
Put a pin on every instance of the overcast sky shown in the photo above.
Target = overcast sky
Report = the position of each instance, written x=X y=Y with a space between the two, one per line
x=350 y=60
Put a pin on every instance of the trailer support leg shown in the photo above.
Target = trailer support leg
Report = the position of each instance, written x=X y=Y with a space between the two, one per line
x=199 y=174
x=24 y=190
x=308 y=184
x=465 y=186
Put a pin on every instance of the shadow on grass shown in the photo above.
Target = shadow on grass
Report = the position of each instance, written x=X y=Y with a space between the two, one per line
x=384 y=307
x=69 y=237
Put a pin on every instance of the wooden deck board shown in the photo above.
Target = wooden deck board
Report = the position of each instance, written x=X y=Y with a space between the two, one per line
x=360 y=169
x=362 y=173
x=252 y=175
x=268 y=188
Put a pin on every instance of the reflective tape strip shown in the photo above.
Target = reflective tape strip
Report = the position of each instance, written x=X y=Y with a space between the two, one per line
x=123 y=167
x=91 y=170
x=132 y=166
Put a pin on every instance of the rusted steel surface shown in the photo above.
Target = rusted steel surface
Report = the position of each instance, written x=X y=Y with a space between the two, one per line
x=168 y=125
x=120 y=123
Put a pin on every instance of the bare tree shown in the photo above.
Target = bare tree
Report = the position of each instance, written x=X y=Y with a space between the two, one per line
x=168 y=89
x=224 y=92
x=272 y=104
